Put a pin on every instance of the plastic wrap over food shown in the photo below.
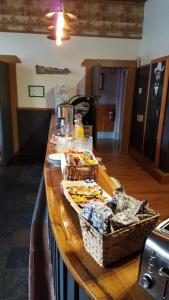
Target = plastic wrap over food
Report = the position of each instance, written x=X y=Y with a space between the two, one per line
x=88 y=211
x=99 y=215
x=119 y=211
x=126 y=202
x=123 y=219
x=119 y=189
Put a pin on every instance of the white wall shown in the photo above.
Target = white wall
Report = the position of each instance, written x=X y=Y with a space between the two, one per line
x=155 y=40
x=35 y=49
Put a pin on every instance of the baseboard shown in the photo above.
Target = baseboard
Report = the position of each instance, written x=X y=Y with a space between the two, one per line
x=159 y=175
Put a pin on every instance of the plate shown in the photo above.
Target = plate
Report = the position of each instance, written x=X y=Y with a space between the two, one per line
x=55 y=158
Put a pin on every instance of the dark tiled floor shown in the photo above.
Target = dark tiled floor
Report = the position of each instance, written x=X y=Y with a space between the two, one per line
x=19 y=182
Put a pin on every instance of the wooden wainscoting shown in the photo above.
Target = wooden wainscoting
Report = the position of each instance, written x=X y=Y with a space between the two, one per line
x=33 y=125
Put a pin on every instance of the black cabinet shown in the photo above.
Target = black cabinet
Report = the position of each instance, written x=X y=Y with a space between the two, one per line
x=139 y=107
x=149 y=138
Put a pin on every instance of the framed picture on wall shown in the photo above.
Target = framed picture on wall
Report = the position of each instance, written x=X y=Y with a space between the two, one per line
x=36 y=91
x=157 y=76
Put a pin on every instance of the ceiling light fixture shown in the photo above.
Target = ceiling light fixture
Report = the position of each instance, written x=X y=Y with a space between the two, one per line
x=60 y=30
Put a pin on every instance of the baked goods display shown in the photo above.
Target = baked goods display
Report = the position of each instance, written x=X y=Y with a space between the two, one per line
x=80 y=158
x=83 y=195
x=78 y=165
x=80 y=193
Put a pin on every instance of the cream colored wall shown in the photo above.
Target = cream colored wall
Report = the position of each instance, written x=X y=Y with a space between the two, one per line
x=155 y=40
x=35 y=49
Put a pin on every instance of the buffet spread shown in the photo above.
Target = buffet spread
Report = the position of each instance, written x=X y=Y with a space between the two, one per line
x=113 y=226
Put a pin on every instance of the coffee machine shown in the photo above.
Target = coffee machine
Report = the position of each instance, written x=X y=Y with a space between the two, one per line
x=64 y=114
x=78 y=104
x=85 y=105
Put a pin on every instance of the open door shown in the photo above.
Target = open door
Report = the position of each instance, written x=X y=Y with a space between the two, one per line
x=96 y=70
x=6 y=135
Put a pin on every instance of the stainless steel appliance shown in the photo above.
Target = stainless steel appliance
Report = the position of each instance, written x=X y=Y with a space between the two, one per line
x=65 y=112
x=154 y=266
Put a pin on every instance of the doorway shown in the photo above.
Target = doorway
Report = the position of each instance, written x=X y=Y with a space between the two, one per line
x=94 y=82
x=110 y=108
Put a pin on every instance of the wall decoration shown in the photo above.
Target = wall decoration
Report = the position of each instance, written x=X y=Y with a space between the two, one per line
x=36 y=91
x=154 y=108
x=61 y=94
x=51 y=70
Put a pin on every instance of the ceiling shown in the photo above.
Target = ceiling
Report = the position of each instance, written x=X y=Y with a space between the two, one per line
x=103 y=18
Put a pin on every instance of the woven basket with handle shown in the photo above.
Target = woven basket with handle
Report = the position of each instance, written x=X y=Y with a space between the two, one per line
x=109 y=248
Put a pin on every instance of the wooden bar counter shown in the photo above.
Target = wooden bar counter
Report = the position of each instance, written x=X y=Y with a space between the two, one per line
x=119 y=280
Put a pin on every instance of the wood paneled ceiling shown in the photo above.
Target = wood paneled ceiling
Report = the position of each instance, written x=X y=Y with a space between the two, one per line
x=104 y=18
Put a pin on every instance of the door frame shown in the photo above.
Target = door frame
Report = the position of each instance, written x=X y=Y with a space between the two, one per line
x=131 y=66
x=12 y=60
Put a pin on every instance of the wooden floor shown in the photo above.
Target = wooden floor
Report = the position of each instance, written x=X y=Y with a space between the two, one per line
x=135 y=180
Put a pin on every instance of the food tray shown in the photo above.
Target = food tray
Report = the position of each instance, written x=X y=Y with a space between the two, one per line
x=87 y=183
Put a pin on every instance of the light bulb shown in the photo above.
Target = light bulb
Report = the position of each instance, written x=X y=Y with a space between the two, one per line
x=60 y=22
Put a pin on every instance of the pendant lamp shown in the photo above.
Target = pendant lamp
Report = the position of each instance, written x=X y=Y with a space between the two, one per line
x=59 y=28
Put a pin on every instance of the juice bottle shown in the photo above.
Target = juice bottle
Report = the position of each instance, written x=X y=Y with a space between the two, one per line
x=79 y=131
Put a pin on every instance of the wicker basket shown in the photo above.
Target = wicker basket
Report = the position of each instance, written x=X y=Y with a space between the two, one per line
x=106 y=249
x=79 y=172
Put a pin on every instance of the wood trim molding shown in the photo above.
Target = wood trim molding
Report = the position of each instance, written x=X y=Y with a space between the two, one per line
x=159 y=59
x=159 y=175
x=146 y=109
x=14 y=104
x=109 y=63
x=10 y=59
x=162 y=114
x=128 y=98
